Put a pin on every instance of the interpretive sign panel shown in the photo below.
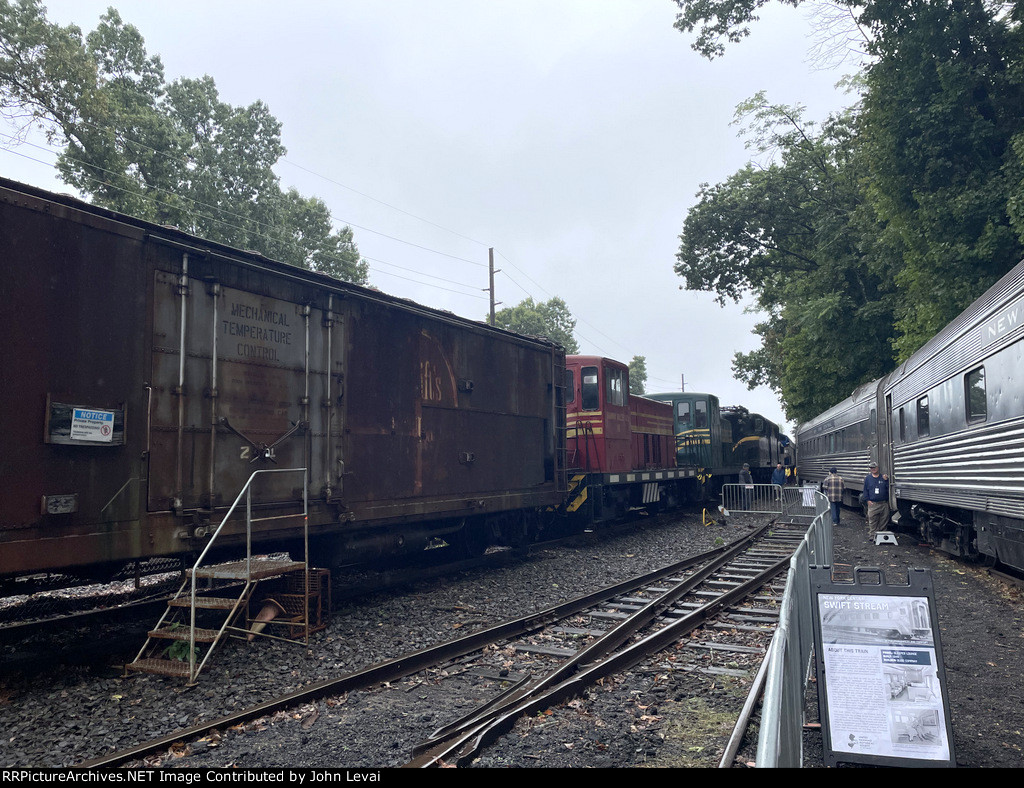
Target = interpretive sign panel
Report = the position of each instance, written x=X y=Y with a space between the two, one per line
x=881 y=682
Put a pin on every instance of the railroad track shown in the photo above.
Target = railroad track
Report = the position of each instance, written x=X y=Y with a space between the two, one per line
x=34 y=603
x=569 y=646
x=70 y=609
x=650 y=619
x=85 y=636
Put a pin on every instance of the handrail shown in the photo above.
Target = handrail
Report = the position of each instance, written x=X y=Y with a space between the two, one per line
x=247 y=492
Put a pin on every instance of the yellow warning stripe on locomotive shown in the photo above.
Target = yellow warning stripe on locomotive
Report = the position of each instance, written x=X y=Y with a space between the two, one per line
x=573 y=432
x=577 y=493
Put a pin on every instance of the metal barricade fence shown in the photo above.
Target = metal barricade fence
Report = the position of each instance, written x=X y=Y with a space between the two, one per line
x=803 y=502
x=780 y=739
x=752 y=498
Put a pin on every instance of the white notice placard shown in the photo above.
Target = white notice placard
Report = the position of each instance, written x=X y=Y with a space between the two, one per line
x=92 y=425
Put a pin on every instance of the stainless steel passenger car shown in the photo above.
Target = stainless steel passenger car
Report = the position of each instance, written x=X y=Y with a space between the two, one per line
x=948 y=427
x=148 y=373
x=955 y=414
x=844 y=437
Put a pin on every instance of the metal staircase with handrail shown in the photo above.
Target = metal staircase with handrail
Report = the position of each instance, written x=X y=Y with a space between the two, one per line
x=248 y=573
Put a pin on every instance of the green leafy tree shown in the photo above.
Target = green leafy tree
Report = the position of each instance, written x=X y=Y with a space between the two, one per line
x=169 y=153
x=794 y=234
x=719 y=22
x=942 y=107
x=638 y=375
x=551 y=319
x=910 y=204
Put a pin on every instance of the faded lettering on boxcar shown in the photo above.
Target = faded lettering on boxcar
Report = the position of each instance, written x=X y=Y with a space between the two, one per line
x=437 y=379
x=258 y=332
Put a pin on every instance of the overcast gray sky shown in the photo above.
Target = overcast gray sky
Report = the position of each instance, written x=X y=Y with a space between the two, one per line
x=569 y=135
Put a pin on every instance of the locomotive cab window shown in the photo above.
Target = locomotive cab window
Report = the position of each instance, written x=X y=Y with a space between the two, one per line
x=570 y=386
x=683 y=414
x=614 y=378
x=975 y=396
x=922 y=417
x=700 y=414
x=591 y=393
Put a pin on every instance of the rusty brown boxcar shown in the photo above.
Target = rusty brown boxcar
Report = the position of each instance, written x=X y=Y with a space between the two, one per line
x=148 y=372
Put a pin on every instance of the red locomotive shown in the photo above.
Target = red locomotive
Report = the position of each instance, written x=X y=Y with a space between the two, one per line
x=620 y=447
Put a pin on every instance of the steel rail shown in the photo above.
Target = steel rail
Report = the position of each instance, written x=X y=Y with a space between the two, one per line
x=740 y=730
x=599 y=648
x=479 y=730
x=405 y=665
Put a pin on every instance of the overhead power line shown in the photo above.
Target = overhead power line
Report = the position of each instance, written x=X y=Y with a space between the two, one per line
x=267 y=232
x=215 y=220
x=381 y=202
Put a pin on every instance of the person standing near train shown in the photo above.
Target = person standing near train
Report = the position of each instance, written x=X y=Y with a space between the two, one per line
x=833 y=487
x=876 y=494
x=747 y=480
x=779 y=475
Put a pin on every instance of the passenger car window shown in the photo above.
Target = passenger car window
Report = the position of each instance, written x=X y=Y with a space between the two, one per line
x=922 y=417
x=975 y=396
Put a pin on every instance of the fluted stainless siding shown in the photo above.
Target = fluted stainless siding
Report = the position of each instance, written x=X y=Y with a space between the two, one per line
x=851 y=465
x=960 y=344
x=972 y=466
x=980 y=469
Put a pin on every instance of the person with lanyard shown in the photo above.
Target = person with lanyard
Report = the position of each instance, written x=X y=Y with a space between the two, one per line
x=876 y=494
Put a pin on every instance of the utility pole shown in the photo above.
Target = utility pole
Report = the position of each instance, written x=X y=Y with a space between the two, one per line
x=492 y=272
x=682 y=387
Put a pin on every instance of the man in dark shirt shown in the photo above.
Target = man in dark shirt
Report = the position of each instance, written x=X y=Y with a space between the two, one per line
x=876 y=493
x=747 y=491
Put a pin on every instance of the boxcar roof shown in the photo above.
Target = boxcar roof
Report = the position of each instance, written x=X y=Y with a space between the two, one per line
x=171 y=235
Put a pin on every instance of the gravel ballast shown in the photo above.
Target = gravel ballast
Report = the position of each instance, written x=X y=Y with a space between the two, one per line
x=76 y=713
x=80 y=713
